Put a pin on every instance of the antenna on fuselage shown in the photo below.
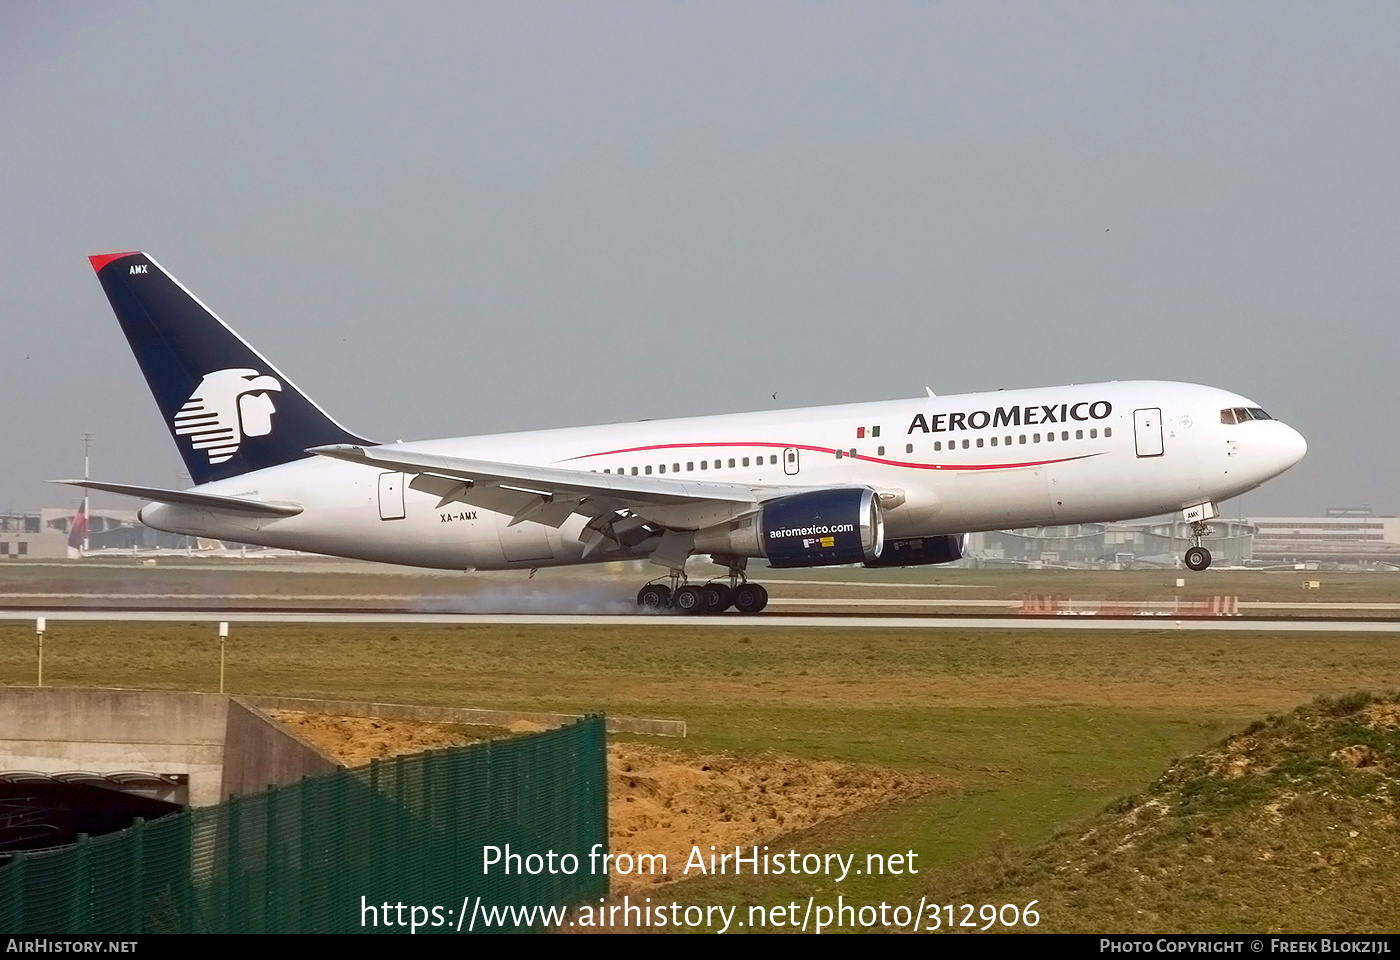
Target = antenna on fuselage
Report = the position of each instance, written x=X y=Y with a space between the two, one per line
x=929 y=391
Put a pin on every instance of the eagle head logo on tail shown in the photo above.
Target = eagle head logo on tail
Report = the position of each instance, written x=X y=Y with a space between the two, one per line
x=227 y=406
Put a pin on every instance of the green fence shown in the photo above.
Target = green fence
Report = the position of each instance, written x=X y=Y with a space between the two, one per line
x=326 y=855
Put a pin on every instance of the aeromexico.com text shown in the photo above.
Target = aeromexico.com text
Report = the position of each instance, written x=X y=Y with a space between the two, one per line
x=1014 y=416
x=811 y=531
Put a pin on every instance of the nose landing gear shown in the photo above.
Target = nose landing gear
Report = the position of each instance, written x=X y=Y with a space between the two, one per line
x=1198 y=557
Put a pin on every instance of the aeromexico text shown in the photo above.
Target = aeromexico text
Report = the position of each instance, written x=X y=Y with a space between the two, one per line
x=1015 y=416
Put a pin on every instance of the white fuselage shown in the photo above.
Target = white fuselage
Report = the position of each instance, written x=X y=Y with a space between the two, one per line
x=951 y=465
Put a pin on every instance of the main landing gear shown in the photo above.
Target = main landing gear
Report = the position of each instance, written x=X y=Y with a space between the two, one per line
x=1198 y=557
x=713 y=597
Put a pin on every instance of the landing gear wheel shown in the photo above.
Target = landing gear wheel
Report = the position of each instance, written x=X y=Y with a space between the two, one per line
x=1198 y=558
x=718 y=597
x=654 y=596
x=750 y=597
x=689 y=600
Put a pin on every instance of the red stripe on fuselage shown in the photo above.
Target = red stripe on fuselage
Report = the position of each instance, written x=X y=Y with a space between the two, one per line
x=832 y=451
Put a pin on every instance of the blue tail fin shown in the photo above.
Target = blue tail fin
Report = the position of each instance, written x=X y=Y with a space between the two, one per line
x=229 y=410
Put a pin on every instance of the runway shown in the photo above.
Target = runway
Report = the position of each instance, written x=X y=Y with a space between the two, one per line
x=730 y=620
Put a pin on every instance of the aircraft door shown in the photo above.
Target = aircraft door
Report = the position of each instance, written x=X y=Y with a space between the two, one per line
x=790 y=462
x=1147 y=430
x=391 y=496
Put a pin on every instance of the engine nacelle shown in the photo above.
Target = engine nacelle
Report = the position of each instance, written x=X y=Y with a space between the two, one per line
x=814 y=529
x=917 y=551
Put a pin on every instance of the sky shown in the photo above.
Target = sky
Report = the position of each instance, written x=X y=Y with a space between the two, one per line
x=468 y=218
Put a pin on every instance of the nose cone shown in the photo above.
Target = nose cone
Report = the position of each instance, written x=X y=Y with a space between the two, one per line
x=1286 y=447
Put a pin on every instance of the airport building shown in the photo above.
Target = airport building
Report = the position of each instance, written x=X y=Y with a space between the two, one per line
x=1346 y=537
x=44 y=534
x=1351 y=536
x=1111 y=546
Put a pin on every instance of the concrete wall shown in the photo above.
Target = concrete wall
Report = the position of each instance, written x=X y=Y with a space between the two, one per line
x=223 y=746
x=52 y=730
x=259 y=752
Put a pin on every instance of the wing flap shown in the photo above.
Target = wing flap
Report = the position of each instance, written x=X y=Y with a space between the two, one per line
x=550 y=495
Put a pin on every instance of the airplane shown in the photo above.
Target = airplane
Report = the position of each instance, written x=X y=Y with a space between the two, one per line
x=889 y=483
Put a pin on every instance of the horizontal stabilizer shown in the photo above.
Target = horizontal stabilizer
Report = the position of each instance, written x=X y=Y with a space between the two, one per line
x=193 y=498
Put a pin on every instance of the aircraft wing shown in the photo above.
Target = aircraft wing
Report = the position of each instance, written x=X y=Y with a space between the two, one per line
x=551 y=494
x=193 y=498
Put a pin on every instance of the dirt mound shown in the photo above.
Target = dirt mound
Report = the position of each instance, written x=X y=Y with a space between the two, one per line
x=664 y=801
x=355 y=741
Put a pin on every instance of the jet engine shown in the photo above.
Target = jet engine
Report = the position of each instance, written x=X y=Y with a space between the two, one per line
x=814 y=529
x=918 y=551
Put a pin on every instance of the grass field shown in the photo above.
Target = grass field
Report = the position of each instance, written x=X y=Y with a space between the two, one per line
x=1039 y=730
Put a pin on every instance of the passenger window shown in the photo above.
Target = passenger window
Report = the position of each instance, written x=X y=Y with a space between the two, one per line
x=937 y=445
x=1008 y=441
x=690 y=465
x=773 y=460
x=965 y=444
x=1037 y=438
x=648 y=471
x=731 y=461
x=1079 y=434
x=661 y=469
x=704 y=464
x=634 y=471
x=1108 y=431
x=994 y=442
x=874 y=431
x=908 y=448
x=1049 y=438
x=607 y=471
x=839 y=454
x=675 y=468
x=1094 y=433
x=879 y=451
x=979 y=443
x=1023 y=438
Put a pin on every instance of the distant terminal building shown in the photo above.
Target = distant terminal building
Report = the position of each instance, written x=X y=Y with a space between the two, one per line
x=43 y=535
x=1346 y=537
x=23 y=535
x=1350 y=536
x=1112 y=546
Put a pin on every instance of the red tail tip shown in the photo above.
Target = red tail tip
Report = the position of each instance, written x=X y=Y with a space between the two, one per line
x=102 y=259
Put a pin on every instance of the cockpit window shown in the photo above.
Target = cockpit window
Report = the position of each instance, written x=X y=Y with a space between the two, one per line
x=1241 y=414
